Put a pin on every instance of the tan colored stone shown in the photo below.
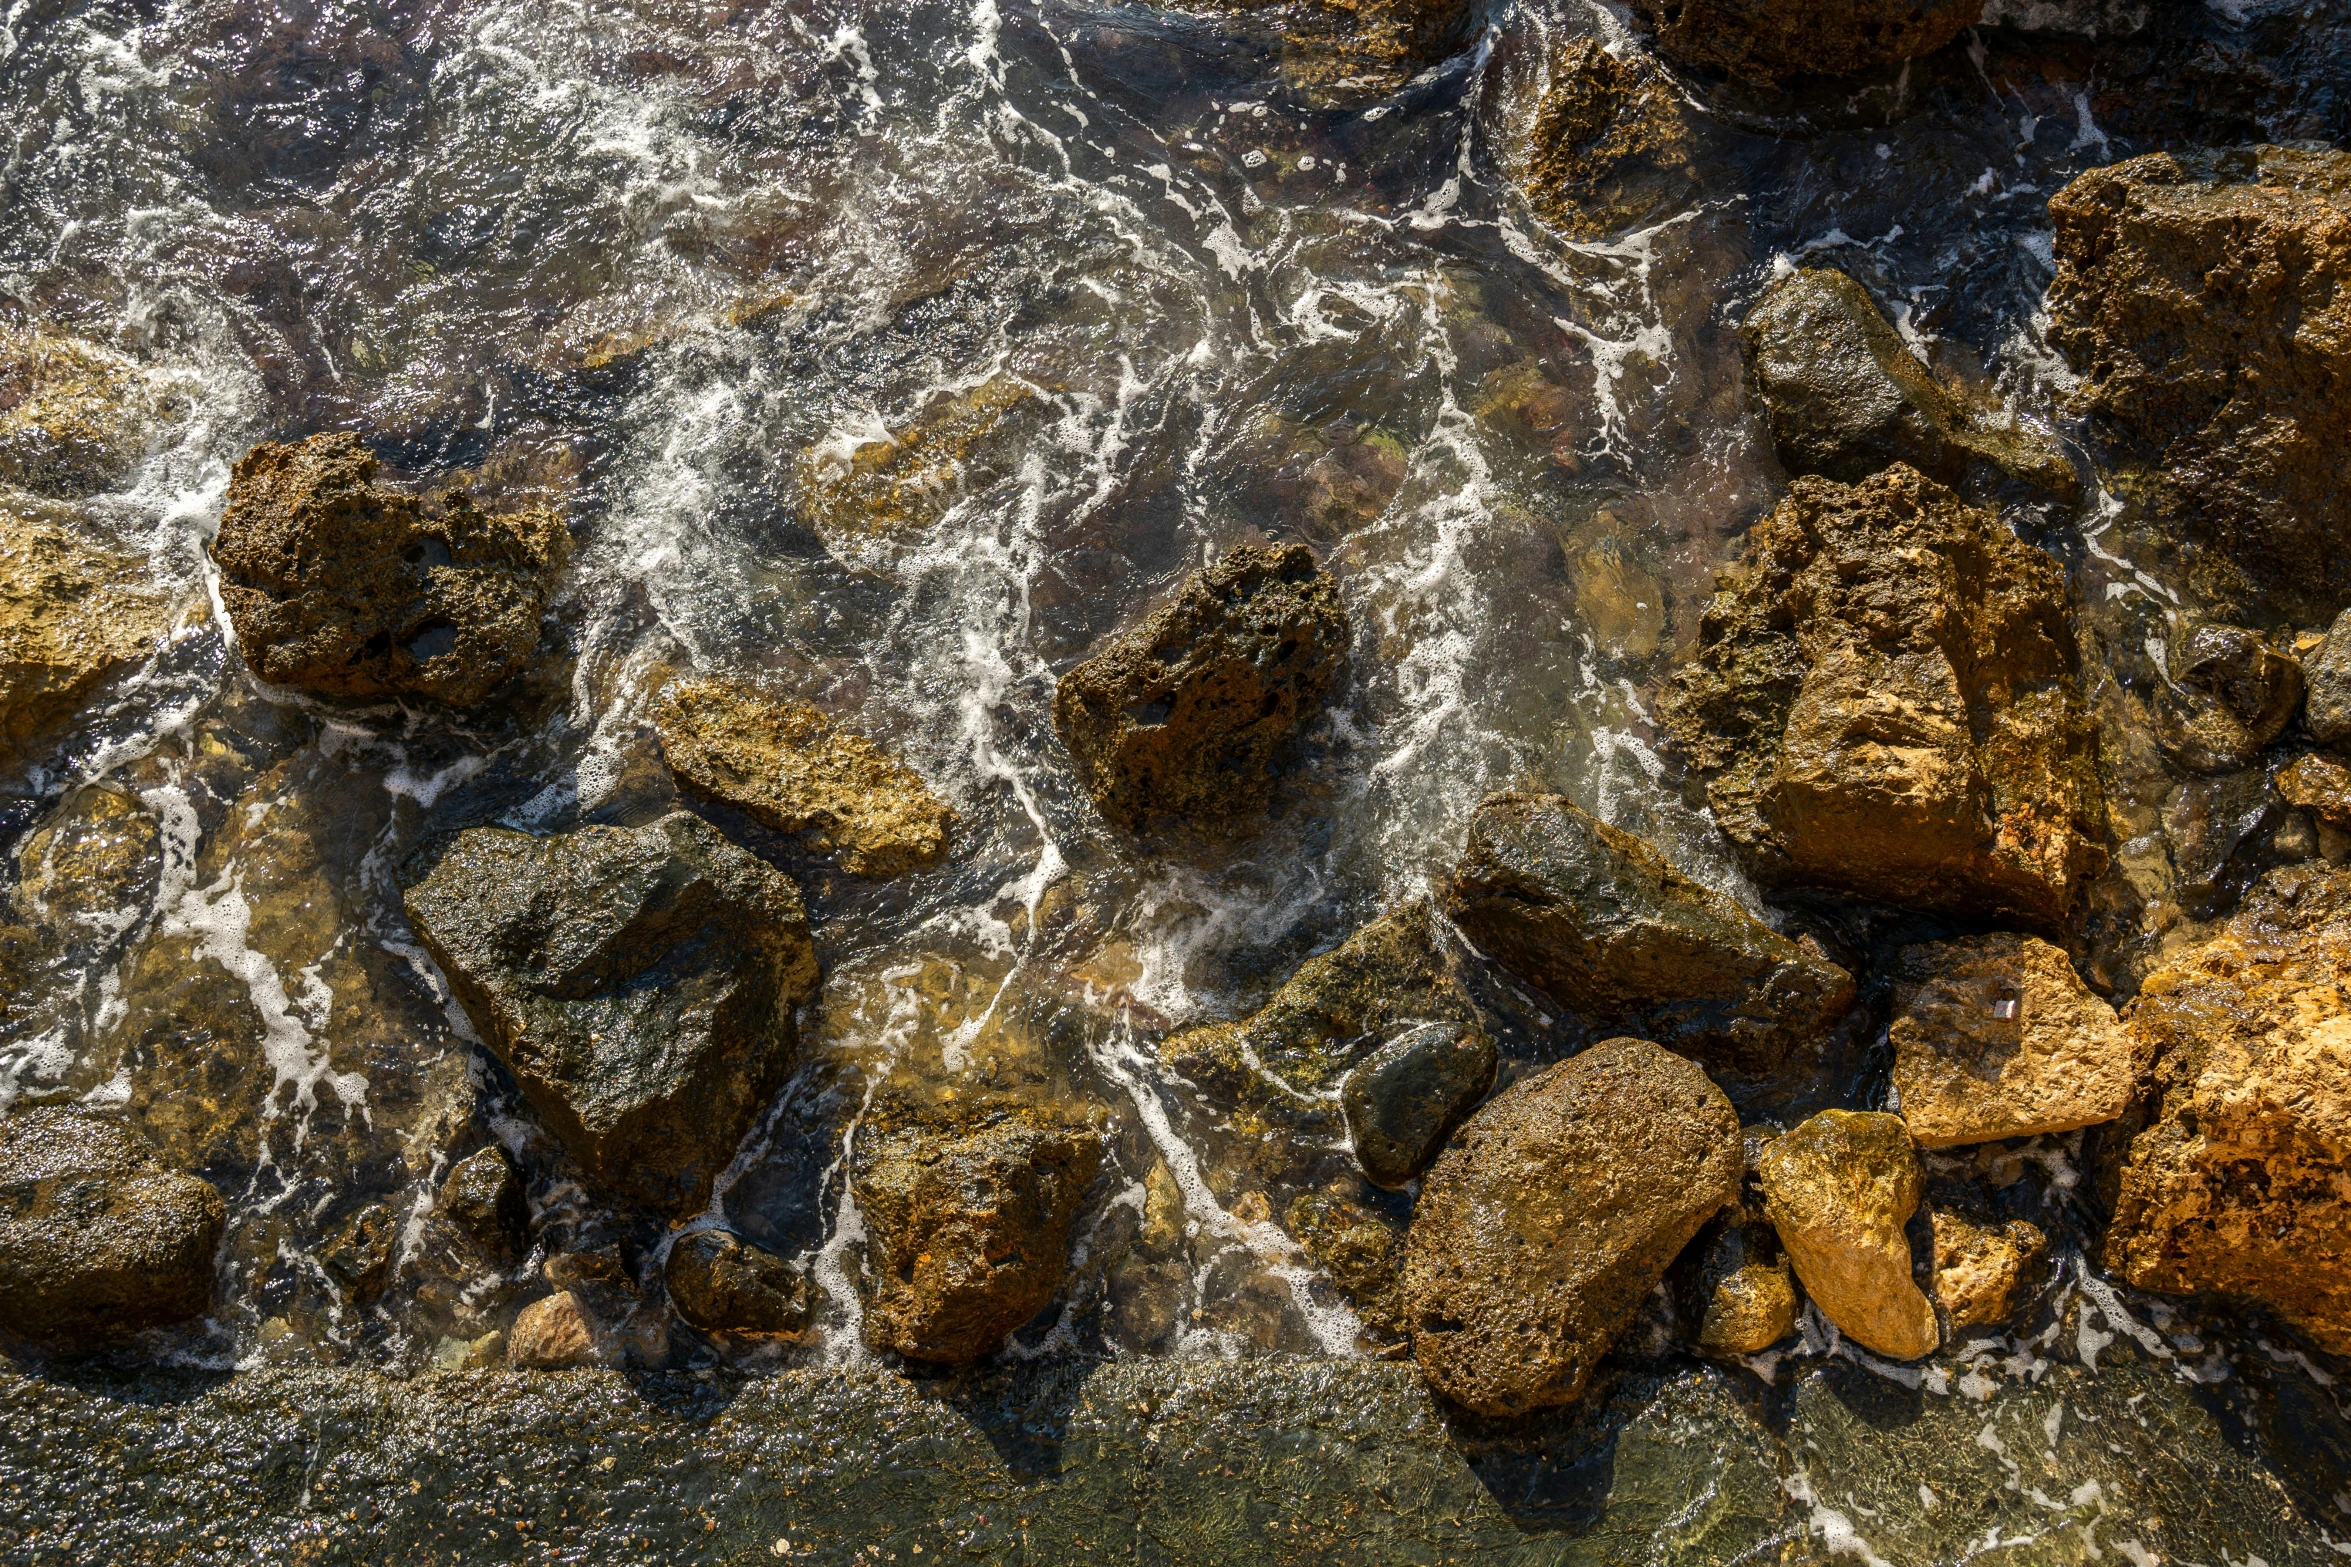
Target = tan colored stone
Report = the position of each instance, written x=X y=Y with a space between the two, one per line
x=74 y=417
x=1979 y=1267
x=94 y=862
x=1746 y=1296
x=1838 y=1189
x=553 y=1335
x=897 y=485
x=1996 y=1036
x=1604 y=146
x=70 y=616
x=2320 y=785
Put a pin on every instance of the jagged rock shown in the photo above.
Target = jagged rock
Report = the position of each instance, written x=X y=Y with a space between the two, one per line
x=1838 y=1189
x=1597 y=919
x=1845 y=396
x=1188 y=713
x=897 y=486
x=70 y=616
x=1996 y=1036
x=554 y=1334
x=1979 y=1267
x=1336 y=52
x=1883 y=703
x=95 y=1242
x=483 y=1196
x=74 y=417
x=1543 y=1228
x=2237 y=1185
x=1739 y=1291
x=1404 y=1099
x=638 y=982
x=722 y=1283
x=2205 y=297
x=2229 y=694
x=2320 y=785
x=341 y=586
x=967 y=1229
x=2326 y=679
x=1360 y=1247
x=784 y=764
x=1766 y=41
x=1604 y=145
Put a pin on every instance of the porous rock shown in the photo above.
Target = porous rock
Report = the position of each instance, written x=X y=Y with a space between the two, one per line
x=638 y=982
x=2326 y=678
x=1838 y=1189
x=1883 y=703
x=1340 y=52
x=1604 y=144
x=2320 y=785
x=71 y=615
x=722 y=1283
x=1739 y=1291
x=1979 y=1266
x=2228 y=694
x=1406 y=1097
x=1769 y=41
x=74 y=417
x=1553 y=1214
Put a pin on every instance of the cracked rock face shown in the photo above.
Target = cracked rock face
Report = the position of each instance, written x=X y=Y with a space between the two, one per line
x=1839 y=1189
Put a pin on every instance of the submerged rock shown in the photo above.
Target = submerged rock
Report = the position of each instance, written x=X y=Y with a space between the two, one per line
x=2237 y=1184
x=1740 y=1291
x=1839 y=1189
x=1336 y=52
x=638 y=982
x=74 y=417
x=341 y=586
x=1188 y=713
x=483 y=1196
x=1979 y=1267
x=1605 y=145
x=2205 y=297
x=1996 y=1036
x=897 y=486
x=1883 y=703
x=71 y=615
x=2229 y=693
x=95 y=1242
x=92 y=865
x=1360 y=1247
x=1552 y=1216
x=1766 y=41
x=1597 y=919
x=784 y=764
x=2326 y=677
x=1405 y=1098
x=722 y=1283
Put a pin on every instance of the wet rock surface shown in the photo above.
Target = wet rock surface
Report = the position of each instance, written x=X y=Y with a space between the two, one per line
x=2326 y=675
x=1757 y=41
x=1605 y=145
x=894 y=487
x=722 y=1283
x=554 y=1334
x=2230 y=693
x=1980 y=1268
x=1739 y=1294
x=1838 y=1190
x=74 y=417
x=2320 y=785
x=484 y=1196
x=1405 y=1098
x=1348 y=51
x=72 y=614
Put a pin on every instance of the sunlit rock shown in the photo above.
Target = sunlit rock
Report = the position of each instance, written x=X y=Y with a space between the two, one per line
x=71 y=615
x=1738 y=1291
x=895 y=483
x=722 y=1283
x=74 y=417
x=2326 y=678
x=554 y=1334
x=1980 y=1267
x=483 y=1196
x=2320 y=785
x=1403 y=1099
x=1767 y=41
x=91 y=867
x=1839 y=1189
x=2227 y=693
x=1336 y=52
x=1603 y=145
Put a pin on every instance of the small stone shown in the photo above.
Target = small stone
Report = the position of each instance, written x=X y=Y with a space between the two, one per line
x=483 y=1196
x=1360 y=1247
x=71 y=615
x=2230 y=694
x=1741 y=1291
x=1405 y=1098
x=1839 y=1189
x=1996 y=1036
x=786 y=766
x=722 y=1283
x=358 y=1256
x=2326 y=678
x=1769 y=41
x=554 y=1334
x=1542 y=1229
x=1979 y=1267
x=1604 y=144
x=2320 y=785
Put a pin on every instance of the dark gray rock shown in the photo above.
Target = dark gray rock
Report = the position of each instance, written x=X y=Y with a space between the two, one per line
x=1406 y=1097
x=2326 y=679
x=2230 y=693
x=638 y=982
x=722 y=1283
x=483 y=1196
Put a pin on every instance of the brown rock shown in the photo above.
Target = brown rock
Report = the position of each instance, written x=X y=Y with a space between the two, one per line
x=97 y=857
x=1336 y=52
x=2320 y=785
x=1188 y=713
x=784 y=764
x=1741 y=1292
x=339 y=585
x=895 y=487
x=554 y=1334
x=1979 y=1267
x=70 y=616
x=722 y=1283
x=1996 y=1036
x=74 y=417
x=2229 y=694
x=1766 y=41
x=483 y=1196
x=1883 y=703
x=1359 y=1247
x=1838 y=1189
x=1545 y=1225
x=1604 y=145
x=2326 y=677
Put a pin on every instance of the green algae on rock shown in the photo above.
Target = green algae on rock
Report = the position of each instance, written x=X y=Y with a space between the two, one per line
x=1838 y=1190
x=71 y=615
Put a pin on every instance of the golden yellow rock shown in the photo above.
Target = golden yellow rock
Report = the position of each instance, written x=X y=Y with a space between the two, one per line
x=552 y=1335
x=1838 y=1189
x=70 y=616
x=1978 y=1267
x=73 y=416
x=1746 y=1299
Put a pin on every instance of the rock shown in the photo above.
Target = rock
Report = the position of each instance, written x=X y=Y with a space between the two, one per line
x=1597 y=920
x=341 y=586
x=1740 y=1291
x=1543 y=1228
x=1405 y=1098
x=2326 y=678
x=895 y=487
x=2320 y=785
x=2214 y=828
x=2069 y=18
x=74 y=417
x=1361 y=1248
x=1979 y=1267
x=724 y=1284
x=1883 y=703
x=553 y=1334
x=483 y=1196
x=2236 y=1185
x=1344 y=52
x=638 y=982
x=1845 y=396
x=2205 y=298
x=358 y=1256
x=1188 y=713
x=71 y=616
x=1996 y=1036
x=2229 y=694
x=1604 y=146
x=967 y=1230
x=92 y=865
x=95 y=1242
x=1767 y=41
x=1838 y=1189
x=785 y=765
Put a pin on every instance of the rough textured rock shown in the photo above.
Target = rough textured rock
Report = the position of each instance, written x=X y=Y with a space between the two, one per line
x=896 y=487
x=1838 y=1189
x=1604 y=145
x=339 y=585
x=638 y=982
x=1188 y=713
x=1335 y=52
x=724 y=1284
x=96 y=857
x=70 y=616
x=95 y=1242
x=1883 y=703
x=2205 y=297
x=1556 y=1210
x=1601 y=923
x=2237 y=1184
x=1980 y=1266
x=1766 y=41
x=1360 y=1247
x=784 y=764
x=2320 y=785
x=1404 y=1099
x=483 y=1196
x=1845 y=396
x=2326 y=679
x=1996 y=1036
x=2069 y=18
x=2229 y=694
x=1740 y=1292
x=967 y=1230
x=554 y=1334
x=74 y=417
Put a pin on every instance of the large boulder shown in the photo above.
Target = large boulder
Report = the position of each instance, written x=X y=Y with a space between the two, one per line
x=1188 y=713
x=638 y=982
x=1596 y=919
x=1552 y=1216
x=95 y=1242
x=339 y=585
x=1883 y=703
x=2237 y=1184
x=1769 y=41
x=1839 y=1190
x=2205 y=297
x=71 y=615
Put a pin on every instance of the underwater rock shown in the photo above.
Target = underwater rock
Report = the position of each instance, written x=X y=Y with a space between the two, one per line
x=968 y=1230
x=483 y=1196
x=1765 y=41
x=1404 y=1099
x=74 y=417
x=96 y=1243
x=70 y=616
x=2237 y=1183
x=1838 y=1189
x=2320 y=785
x=2069 y=18
x=1187 y=714
x=1996 y=1036
x=358 y=1255
x=784 y=764
x=93 y=863
x=638 y=982
x=2205 y=298
x=1340 y=52
x=554 y=1334
x=341 y=586
x=1596 y=919
x=2229 y=694
x=896 y=487
x=1360 y=1247
x=1845 y=396
x=722 y=1283
x=1544 y=1226
x=1980 y=1267
x=1740 y=1291
x=1883 y=703
x=2326 y=680
x=1605 y=146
